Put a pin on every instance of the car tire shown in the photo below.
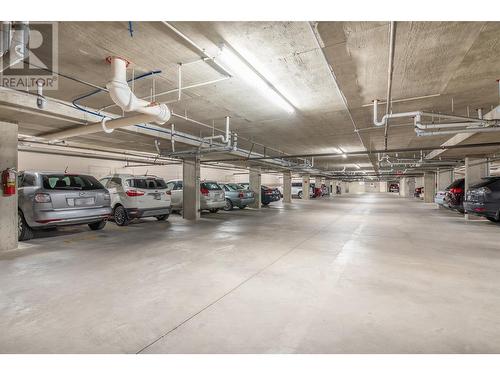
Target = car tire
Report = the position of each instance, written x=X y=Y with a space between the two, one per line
x=493 y=219
x=97 y=226
x=120 y=216
x=162 y=217
x=265 y=204
x=243 y=207
x=299 y=195
x=214 y=210
x=229 y=205
x=25 y=232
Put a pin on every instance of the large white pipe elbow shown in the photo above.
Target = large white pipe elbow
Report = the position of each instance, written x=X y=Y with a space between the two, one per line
x=122 y=95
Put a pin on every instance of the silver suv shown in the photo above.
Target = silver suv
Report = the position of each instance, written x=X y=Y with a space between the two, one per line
x=48 y=199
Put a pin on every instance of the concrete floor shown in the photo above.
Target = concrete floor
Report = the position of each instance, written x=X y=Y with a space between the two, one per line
x=370 y=273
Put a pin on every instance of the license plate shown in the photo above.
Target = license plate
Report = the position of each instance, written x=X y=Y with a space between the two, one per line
x=84 y=201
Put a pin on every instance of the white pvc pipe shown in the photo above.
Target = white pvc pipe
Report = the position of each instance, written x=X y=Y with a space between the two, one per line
x=122 y=96
x=108 y=126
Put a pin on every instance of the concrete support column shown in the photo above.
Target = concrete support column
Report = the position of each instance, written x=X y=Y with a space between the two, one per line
x=383 y=187
x=429 y=187
x=306 y=182
x=328 y=184
x=412 y=182
x=444 y=179
x=255 y=183
x=475 y=169
x=8 y=204
x=191 y=188
x=403 y=187
x=287 y=187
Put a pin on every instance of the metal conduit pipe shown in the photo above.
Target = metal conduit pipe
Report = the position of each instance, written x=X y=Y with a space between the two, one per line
x=421 y=133
x=388 y=109
x=206 y=57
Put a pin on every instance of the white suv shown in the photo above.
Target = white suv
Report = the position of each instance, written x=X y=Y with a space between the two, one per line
x=137 y=196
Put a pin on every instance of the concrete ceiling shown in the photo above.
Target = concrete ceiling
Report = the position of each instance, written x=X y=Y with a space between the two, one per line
x=452 y=61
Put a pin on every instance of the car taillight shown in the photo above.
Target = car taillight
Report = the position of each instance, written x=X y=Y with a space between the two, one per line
x=169 y=192
x=42 y=198
x=134 y=193
x=456 y=190
x=204 y=191
x=240 y=194
x=107 y=197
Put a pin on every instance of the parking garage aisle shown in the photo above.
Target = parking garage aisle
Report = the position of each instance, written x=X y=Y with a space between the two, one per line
x=358 y=273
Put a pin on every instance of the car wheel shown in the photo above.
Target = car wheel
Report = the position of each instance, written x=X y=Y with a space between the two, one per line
x=229 y=205
x=162 y=217
x=214 y=210
x=97 y=226
x=24 y=232
x=300 y=195
x=120 y=216
x=493 y=219
x=243 y=207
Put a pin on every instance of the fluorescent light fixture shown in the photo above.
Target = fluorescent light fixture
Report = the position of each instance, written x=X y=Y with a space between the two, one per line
x=243 y=70
x=357 y=166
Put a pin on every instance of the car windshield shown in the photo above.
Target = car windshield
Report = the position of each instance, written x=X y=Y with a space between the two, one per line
x=211 y=185
x=70 y=182
x=160 y=183
x=235 y=187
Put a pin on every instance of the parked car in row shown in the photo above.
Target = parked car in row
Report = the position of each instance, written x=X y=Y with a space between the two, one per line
x=455 y=195
x=135 y=197
x=269 y=195
x=440 y=198
x=212 y=197
x=297 y=190
x=394 y=188
x=483 y=199
x=48 y=200
x=237 y=196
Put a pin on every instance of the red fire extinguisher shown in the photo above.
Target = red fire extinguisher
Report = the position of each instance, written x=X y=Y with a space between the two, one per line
x=9 y=181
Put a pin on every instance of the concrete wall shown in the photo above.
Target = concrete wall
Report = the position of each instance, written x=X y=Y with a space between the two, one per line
x=100 y=168
x=359 y=187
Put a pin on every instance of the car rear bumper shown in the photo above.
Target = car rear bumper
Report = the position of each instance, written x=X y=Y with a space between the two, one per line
x=209 y=205
x=135 y=213
x=51 y=218
x=244 y=201
x=480 y=209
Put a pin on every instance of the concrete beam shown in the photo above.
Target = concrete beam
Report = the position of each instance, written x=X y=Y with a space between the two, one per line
x=191 y=188
x=255 y=184
x=8 y=204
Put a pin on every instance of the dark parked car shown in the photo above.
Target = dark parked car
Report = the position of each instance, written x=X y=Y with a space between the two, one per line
x=269 y=195
x=483 y=199
x=394 y=188
x=455 y=195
